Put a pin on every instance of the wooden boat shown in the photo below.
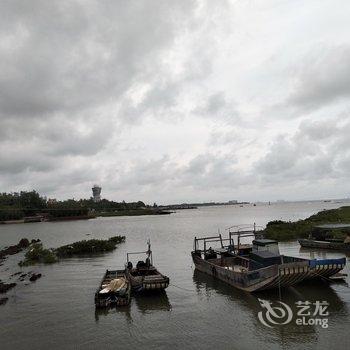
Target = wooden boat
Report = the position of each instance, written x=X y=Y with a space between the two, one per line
x=114 y=289
x=145 y=277
x=326 y=244
x=262 y=268
x=322 y=237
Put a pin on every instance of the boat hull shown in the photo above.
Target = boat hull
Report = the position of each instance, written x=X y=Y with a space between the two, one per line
x=309 y=243
x=274 y=276
x=112 y=298
x=147 y=283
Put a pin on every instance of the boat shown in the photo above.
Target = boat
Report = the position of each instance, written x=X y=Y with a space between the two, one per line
x=114 y=290
x=144 y=276
x=258 y=266
x=322 y=237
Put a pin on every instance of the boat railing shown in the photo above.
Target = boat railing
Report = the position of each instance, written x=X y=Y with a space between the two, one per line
x=148 y=253
x=239 y=231
x=244 y=231
x=321 y=262
x=210 y=239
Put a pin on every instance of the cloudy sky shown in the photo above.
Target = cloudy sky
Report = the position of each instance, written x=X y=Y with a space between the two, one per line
x=174 y=101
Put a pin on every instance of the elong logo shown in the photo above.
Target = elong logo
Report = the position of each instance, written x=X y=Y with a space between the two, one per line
x=308 y=314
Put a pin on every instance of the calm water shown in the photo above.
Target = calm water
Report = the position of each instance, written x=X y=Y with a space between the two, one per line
x=57 y=311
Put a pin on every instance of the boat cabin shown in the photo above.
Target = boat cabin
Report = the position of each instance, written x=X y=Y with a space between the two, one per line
x=266 y=252
x=326 y=232
x=265 y=245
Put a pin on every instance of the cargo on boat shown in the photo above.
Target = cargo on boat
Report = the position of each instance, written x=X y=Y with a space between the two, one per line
x=114 y=290
x=258 y=266
x=144 y=276
x=322 y=237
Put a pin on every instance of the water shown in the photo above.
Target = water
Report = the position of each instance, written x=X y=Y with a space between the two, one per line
x=57 y=311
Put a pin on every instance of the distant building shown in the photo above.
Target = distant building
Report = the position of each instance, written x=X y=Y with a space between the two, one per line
x=52 y=201
x=233 y=202
x=96 y=193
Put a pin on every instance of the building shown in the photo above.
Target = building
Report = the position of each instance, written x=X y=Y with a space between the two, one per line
x=52 y=201
x=96 y=193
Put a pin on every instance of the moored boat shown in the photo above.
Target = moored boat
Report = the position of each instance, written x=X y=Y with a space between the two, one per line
x=114 y=289
x=322 y=237
x=144 y=276
x=261 y=268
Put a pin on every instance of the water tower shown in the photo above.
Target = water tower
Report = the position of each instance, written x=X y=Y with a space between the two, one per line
x=96 y=193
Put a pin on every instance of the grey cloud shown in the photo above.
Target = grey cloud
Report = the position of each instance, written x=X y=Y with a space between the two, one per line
x=318 y=150
x=66 y=66
x=70 y=56
x=71 y=110
x=217 y=106
x=323 y=78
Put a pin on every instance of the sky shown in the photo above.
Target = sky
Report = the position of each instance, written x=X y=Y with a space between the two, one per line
x=175 y=101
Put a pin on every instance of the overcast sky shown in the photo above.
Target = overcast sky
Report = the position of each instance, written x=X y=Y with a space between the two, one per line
x=176 y=101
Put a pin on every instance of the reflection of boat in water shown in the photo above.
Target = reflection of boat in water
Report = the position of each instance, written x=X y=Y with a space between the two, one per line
x=113 y=311
x=114 y=289
x=241 y=307
x=259 y=267
x=145 y=277
x=322 y=237
x=148 y=303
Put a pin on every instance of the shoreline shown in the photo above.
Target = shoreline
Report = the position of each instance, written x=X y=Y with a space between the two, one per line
x=84 y=217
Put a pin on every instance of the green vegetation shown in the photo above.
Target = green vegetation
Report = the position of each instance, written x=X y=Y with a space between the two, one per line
x=135 y=212
x=89 y=246
x=283 y=231
x=18 y=205
x=37 y=254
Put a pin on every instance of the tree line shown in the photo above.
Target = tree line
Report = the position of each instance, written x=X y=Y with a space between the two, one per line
x=17 y=205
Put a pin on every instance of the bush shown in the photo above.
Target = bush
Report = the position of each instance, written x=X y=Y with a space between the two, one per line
x=37 y=254
x=283 y=230
x=89 y=246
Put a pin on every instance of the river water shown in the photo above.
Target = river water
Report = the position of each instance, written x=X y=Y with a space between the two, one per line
x=57 y=311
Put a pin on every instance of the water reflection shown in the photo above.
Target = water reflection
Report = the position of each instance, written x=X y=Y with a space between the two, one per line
x=150 y=302
x=322 y=253
x=145 y=303
x=121 y=311
x=210 y=289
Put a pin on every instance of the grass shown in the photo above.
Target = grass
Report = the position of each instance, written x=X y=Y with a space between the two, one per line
x=284 y=231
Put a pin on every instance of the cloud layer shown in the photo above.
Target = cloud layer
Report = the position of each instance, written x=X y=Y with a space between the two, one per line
x=175 y=101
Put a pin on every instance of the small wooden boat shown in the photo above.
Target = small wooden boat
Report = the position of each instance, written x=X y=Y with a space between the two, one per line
x=263 y=267
x=322 y=237
x=145 y=277
x=326 y=244
x=114 y=289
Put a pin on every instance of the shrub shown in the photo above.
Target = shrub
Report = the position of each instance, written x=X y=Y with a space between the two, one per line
x=38 y=254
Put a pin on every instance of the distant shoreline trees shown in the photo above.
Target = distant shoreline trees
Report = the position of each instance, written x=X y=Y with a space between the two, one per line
x=18 y=205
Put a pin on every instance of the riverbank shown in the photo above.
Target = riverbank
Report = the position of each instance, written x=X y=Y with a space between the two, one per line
x=288 y=230
x=136 y=212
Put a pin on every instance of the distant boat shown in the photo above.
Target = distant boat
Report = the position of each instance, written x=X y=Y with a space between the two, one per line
x=35 y=218
x=144 y=276
x=260 y=266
